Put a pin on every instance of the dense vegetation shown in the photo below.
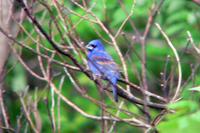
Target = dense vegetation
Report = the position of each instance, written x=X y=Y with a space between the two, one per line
x=72 y=27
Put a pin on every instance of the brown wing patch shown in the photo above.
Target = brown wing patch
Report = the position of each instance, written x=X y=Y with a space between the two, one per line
x=99 y=58
x=106 y=62
x=103 y=60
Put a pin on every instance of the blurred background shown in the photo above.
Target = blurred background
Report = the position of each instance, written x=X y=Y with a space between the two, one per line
x=19 y=88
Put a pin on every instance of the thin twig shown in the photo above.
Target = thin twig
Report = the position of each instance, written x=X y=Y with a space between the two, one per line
x=58 y=104
x=192 y=42
x=71 y=104
x=125 y=20
x=177 y=91
x=121 y=93
x=27 y=115
x=3 y=110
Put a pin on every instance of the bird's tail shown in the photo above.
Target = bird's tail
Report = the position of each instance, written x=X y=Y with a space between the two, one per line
x=114 y=88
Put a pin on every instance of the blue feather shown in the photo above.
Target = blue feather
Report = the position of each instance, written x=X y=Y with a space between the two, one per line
x=102 y=64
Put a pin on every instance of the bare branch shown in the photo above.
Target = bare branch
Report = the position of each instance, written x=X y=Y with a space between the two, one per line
x=177 y=92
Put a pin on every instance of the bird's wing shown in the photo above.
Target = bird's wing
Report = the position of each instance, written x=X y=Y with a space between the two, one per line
x=105 y=62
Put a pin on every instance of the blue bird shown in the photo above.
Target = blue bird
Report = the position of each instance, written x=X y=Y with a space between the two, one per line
x=102 y=64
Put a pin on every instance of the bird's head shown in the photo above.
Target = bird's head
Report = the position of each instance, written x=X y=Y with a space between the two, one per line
x=95 y=45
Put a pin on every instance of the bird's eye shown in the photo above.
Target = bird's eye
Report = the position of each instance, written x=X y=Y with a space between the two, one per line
x=90 y=47
x=94 y=46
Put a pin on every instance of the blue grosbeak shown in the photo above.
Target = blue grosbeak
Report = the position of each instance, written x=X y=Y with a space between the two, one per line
x=102 y=64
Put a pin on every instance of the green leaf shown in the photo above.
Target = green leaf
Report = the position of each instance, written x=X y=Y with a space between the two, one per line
x=185 y=124
x=19 y=79
x=177 y=17
x=182 y=108
x=184 y=104
x=195 y=88
x=173 y=29
x=118 y=17
x=175 y=5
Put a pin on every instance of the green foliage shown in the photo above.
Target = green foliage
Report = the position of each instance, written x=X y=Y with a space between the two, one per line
x=182 y=108
x=195 y=89
x=176 y=17
x=186 y=118
x=188 y=124
x=17 y=78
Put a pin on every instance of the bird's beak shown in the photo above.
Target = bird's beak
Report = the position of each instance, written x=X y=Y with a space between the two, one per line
x=89 y=47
